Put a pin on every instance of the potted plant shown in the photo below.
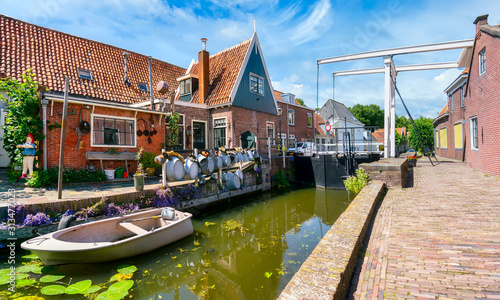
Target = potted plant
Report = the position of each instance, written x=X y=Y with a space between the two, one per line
x=148 y=162
x=412 y=161
x=139 y=174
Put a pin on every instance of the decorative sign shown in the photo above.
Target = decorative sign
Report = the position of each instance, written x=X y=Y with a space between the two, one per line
x=328 y=127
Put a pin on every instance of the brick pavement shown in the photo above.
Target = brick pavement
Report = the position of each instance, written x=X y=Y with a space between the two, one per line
x=437 y=240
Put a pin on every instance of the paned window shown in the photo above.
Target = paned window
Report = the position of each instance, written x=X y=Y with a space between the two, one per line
x=473 y=133
x=85 y=74
x=256 y=84
x=143 y=87
x=185 y=87
x=482 y=61
x=220 y=126
x=462 y=97
x=113 y=131
x=309 y=120
x=291 y=117
x=270 y=130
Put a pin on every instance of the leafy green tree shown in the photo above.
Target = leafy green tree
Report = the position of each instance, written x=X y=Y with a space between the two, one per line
x=301 y=102
x=23 y=114
x=403 y=122
x=370 y=115
x=426 y=129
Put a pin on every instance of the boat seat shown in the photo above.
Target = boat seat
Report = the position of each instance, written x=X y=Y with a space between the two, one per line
x=133 y=228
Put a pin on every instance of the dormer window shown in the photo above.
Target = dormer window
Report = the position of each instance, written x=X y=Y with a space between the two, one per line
x=185 y=87
x=85 y=74
x=143 y=87
x=288 y=98
x=256 y=84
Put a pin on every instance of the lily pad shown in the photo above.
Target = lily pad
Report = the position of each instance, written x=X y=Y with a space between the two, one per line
x=126 y=269
x=112 y=295
x=30 y=257
x=79 y=287
x=4 y=272
x=30 y=298
x=52 y=278
x=48 y=269
x=34 y=268
x=120 y=277
x=92 y=289
x=53 y=290
x=4 y=279
x=121 y=286
x=25 y=282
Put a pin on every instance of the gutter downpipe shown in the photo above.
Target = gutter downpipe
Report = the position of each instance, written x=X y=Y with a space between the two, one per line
x=44 y=116
x=151 y=83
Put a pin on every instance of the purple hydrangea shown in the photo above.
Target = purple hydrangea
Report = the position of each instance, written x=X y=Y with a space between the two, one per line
x=36 y=220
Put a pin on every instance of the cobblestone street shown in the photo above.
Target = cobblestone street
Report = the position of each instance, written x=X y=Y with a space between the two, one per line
x=437 y=240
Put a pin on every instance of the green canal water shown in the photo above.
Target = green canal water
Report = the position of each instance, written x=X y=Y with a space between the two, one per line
x=242 y=249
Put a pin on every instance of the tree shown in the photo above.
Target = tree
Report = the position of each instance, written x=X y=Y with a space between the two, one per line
x=426 y=130
x=370 y=115
x=301 y=102
x=403 y=122
x=23 y=115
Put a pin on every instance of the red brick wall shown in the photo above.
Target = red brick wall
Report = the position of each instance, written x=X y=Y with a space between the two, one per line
x=75 y=158
x=455 y=116
x=300 y=128
x=190 y=114
x=483 y=101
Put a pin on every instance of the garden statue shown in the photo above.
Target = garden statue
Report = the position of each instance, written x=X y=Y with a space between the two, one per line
x=28 y=155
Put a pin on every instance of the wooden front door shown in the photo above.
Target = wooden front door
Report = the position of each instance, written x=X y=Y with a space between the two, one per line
x=199 y=135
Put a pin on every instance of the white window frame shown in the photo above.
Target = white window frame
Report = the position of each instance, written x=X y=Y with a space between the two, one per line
x=134 y=132
x=291 y=117
x=216 y=127
x=462 y=97
x=450 y=96
x=472 y=121
x=482 y=61
x=260 y=84
x=267 y=131
x=309 y=115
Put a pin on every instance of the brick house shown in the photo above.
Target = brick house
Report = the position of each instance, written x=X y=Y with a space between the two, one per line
x=224 y=100
x=478 y=110
x=448 y=125
x=296 y=120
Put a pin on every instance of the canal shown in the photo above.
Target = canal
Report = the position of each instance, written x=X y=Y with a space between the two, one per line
x=242 y=249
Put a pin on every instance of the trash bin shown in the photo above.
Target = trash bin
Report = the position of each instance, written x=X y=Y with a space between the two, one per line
x=119 y=172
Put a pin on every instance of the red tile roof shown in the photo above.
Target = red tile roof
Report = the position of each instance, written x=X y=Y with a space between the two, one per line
x=317 y=121
x=379 y=133
x=53 y=55
x=443 y=111
x=224 y=69
x=277 y=96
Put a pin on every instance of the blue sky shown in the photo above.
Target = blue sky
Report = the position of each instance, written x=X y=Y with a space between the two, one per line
x=293 y=35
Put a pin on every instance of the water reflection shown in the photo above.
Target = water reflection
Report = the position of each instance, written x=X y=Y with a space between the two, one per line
x=273 y=235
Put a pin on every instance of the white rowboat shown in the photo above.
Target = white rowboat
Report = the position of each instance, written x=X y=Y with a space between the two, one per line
x=111 y=239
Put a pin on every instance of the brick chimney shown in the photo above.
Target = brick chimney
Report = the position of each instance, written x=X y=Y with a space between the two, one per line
x=481 y=20
x=204 y=73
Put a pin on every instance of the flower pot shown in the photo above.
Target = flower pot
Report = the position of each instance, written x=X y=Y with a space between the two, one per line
x=412 y=163
x=150 y=171
x=139 y=182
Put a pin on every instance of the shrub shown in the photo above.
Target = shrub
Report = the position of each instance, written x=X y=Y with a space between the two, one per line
x=281 y=180
x=49 y=177
x=356 y=183
x=148 y=160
